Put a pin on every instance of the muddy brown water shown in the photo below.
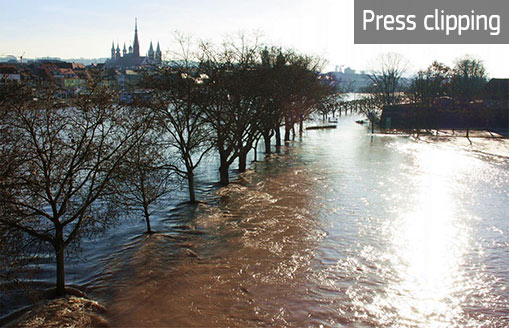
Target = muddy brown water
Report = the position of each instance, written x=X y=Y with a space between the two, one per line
x=340 y=229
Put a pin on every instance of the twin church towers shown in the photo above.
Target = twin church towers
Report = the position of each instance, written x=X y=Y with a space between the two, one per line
x=131 y=58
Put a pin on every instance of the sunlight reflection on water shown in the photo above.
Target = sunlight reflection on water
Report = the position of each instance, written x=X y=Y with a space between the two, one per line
x=415 y=219
x=429 y=241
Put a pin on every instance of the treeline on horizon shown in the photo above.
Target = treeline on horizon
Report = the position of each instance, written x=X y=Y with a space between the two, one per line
x=436 y=97
x=71 y=168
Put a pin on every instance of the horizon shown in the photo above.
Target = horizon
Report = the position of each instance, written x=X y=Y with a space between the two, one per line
x=322 y=28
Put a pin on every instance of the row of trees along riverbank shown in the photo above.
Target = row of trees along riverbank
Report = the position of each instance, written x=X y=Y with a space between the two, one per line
x=437 y=97
x=71 y=168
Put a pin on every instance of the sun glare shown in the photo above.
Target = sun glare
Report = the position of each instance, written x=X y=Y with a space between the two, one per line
x=429 y=244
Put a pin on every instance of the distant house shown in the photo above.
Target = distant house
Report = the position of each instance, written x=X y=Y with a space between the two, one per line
x=52 y=72
x=348 y=70
x=9 y=74
x=490 y=112
x=70 y=80
x=127 y=78
x=496 y=93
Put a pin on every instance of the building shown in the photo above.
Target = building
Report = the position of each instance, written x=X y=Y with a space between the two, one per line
x=496 y=93
x=489 y=112
x=348 y=70
x=131 y=58
x=9 y=74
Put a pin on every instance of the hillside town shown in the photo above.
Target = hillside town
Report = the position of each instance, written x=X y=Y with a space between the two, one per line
x=121 y=70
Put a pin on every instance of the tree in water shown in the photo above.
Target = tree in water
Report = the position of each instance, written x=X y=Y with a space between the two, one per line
x=144 y=178
x=386 y=79
x=68 y=154
x=385 y=87
x=175 y=93
x=230 y=100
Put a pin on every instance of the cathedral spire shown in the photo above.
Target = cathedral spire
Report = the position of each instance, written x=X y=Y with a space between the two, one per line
x=117 y=54
x=112 y=50
x=136 y=45
x=158 y=54
x=151 y=51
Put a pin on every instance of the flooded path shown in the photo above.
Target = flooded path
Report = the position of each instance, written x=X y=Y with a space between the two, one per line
x=342 y=229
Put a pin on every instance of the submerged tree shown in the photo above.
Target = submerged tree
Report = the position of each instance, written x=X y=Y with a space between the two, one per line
x=144 y=178
x=68 y=154
x=17 y=250
x=371 y=105
x=386 y=79
x=293 y=90
x=175 y=93
x=386 y=86
x=229 y=100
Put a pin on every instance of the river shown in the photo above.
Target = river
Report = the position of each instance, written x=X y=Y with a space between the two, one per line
x=340 y=229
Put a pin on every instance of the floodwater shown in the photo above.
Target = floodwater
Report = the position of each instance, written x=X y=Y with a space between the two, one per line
x=340 y=229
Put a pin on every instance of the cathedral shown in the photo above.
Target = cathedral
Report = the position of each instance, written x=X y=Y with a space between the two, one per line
x=131 y=58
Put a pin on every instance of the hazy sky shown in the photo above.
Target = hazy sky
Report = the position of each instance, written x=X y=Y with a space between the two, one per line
x=72 y=29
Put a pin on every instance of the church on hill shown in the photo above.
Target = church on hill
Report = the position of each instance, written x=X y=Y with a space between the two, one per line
x=131 y=58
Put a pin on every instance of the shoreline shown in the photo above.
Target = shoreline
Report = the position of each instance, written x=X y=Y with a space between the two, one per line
x=447 y=133
x=479 y=141
x=69 y=310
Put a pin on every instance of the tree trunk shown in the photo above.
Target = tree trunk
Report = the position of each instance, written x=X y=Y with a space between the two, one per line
x=278 y=138
x=243 y=161
x=301 y=127
x=287 y=132
x=190 y=182
x=255 y=149
x=266 y=140
x=147 y=217
x=223 y=171
x=60 y=256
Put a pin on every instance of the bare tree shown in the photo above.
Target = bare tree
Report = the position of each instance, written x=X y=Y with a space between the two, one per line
x=144 y=178
x=385 y=87
x=371 y=106
x=295 y=89
x=425 y=90
x=68 y=154
x=328 y=105
x=430 y=84
x=17 y=250
x=469 y=77
x=228 y=101
x=386 y=79
x=175 y=93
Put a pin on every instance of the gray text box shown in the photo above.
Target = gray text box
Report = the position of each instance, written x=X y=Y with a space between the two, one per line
x=438 y=16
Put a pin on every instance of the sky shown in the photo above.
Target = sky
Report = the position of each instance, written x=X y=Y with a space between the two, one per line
x=86 y=29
